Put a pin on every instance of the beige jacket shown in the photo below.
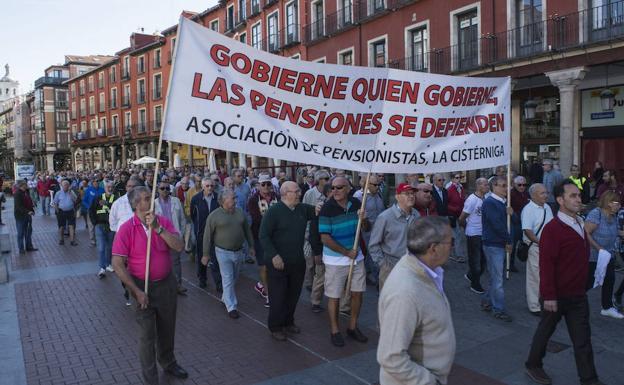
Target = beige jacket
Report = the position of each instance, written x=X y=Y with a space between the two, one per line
x=417 y=339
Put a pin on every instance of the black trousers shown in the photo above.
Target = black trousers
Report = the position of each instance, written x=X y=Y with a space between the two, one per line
x=284 y=290
x=202 y=271
x=576 y=313
x=476 y=259
x=606 y=295
x=157 y=327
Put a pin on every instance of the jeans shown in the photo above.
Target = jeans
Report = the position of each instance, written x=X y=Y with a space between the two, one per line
x=45 y=204
x=495 y=295
x=606 y=290
x=24 y=233
x=516 y=236
x=476 y=260
x=104 y=238
x=229 y=264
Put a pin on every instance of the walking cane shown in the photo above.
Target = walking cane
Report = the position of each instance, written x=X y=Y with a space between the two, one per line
x=357 y=235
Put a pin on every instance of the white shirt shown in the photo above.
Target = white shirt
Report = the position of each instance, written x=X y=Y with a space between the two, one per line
x=576 y=223
x=472 y=207
x=120 y=212
x=532 y=216
x=436 y=275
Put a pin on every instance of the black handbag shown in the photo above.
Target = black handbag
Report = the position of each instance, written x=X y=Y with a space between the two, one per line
x=522 y=252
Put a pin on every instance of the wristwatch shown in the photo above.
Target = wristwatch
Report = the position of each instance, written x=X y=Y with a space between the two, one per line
x=160 y=230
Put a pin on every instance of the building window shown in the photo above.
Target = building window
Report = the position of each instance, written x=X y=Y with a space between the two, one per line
x=173 y=43
x=230 y=18
x=273 y=32
x=157 y=58
x=126 y=69
x=318 y=18
x=83 y=108
x=214 y=25
x=73 y=90
x=83 y=127
x=102 y=129
x=142 y=120
x=417 y=49
x=102 y=104
x=81 y=88
x=73 y=110
x=346 y=58
x=255 y=7
x=141 y=91
x=157 y=118
x=91 y=105
x=242 y=10
x=321 y=60
x=296 y=56
x=157 y=94
x=92 y=128
x=141 y=64
x=606 y=19
x=292 y=25
x=377 y=53
x=345 y=12
x=529 y=25
x=101 y=80
x=126 y=96
x=91 y=84
x=113 y=74
x=467 y=40
x=128 y=122
x=242 y=38
x=376 y=6
x=256 y=36
x=113 y=98
x=114 y=125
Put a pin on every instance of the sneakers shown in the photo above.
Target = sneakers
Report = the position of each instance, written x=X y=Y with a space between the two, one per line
x=266 y=303
x=467 y=278
x=611 y=312
x=92 y=243
x=110 y=269
x=260 y=289
x=539 y=376
x=357 y=335
x=477 y=289
x=316 y=309
x=502 y=316
x=337 y=340
x=102 y=273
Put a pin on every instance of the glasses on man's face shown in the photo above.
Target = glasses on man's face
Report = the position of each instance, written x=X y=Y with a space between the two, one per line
x=522 y=184
x=338 y=187
x=208 y=186
x=130 y=186
x=324 y=178
x=408 y=193
x=424 y=190
x=265 y=184
x=440 y=180
x=163 y=188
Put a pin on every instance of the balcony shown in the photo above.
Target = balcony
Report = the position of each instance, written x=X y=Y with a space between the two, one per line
x=62 y=125
x=114 y=131
x=125 y=102
x=141 y=97
x=141 y=127
x=269 y=3
x=49 y=81
x=255 y=10
x=101 y=83
x=289 y=36
x=61 y=104
x=240 y=23
x=125 y=75
x=156 y=93
x=101 y=132
x=594 y=26
x=273 y=42
x=113 y=103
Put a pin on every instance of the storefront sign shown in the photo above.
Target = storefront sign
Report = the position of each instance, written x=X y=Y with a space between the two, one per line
x=592 y=112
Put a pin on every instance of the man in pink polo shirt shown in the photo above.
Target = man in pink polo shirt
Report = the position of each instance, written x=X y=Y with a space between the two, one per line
x=156 y=311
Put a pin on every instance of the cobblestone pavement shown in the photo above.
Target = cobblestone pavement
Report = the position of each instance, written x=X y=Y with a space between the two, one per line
x=60 y=324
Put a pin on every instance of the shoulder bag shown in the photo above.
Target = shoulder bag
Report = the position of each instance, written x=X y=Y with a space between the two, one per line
x=522 y=252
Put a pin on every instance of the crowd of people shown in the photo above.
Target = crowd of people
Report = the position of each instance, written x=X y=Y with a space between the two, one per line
x=322 y=232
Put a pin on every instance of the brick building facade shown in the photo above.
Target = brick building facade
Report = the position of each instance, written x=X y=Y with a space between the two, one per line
x=560 y=54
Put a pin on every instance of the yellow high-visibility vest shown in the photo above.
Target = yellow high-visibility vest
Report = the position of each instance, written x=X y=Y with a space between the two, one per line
x=106 y=208
x=579 y=182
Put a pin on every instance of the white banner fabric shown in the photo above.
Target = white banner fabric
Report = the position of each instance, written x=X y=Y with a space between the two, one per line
x=229 y=96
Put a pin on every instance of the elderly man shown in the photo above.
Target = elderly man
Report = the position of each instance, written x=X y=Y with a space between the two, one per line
x=412 y=179
x=202 y=204
x=496 y=240
x=24 y=210
x=98 y=214
x=535 y=215
x=424 y=200
x=171 y=208
x=564 y=263
x=337 y=225
x=226 y=232
x=313 y=196
x=550 y=179
x=156 y=311
x=389 y=236
x=519 y=198
x=258 y=205
x=417 y=339
x=65 y=202
x=282 y=233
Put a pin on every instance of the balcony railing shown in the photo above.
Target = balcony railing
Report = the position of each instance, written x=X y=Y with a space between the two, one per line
x=61 y=104
x=156 y=93
x=269 y=3
x=102 y=107
x=557 y=34
x=289 y=36
x=125 y=102
x=101 y=83
x=49 y=81
x=255 y=9
x=113 y=103
x=141 y=97
x=83 y=112
x=114 y=131
x=125 y=75
x=62 y=125
x=273 y=42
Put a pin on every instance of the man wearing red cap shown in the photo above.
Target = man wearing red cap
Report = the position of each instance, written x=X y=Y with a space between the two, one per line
x=388 y=240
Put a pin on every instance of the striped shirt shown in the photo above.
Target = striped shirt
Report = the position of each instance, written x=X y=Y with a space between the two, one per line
x=341 y=224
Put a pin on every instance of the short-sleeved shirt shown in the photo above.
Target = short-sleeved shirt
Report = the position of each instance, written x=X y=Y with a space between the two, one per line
x=472 y=207
x=606 y=232
x=532 y=218
x=65 y=200
x=131 y=242
x=341 y=224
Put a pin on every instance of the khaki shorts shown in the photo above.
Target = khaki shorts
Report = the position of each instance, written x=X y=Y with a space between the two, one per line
x=336 y=279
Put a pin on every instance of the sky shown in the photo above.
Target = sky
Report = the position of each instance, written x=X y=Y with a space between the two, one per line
x=39 y=33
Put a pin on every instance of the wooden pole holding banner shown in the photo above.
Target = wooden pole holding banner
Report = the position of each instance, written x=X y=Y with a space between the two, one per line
x=357 y=235
x=508 y=254
x=157 y=168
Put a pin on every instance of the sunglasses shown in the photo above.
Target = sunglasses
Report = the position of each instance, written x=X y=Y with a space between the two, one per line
x=266 y=184
x=440 y=180
x=337 y=187
x=457 y=177
x=522 y=184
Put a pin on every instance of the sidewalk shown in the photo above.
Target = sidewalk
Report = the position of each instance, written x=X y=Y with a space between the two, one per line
x=60 y=324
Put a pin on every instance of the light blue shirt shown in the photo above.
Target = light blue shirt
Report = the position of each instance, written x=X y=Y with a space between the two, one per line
x=65 y=200
x=532 y=217
x=437 y=275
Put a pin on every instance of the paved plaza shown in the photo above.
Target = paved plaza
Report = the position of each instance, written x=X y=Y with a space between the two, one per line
x=61 y=324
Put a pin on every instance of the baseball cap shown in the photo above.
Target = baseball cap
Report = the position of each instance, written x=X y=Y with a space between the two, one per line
x=264 y=178
x=404 y=187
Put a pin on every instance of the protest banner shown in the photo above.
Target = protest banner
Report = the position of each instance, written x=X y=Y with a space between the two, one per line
x=229 y=96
